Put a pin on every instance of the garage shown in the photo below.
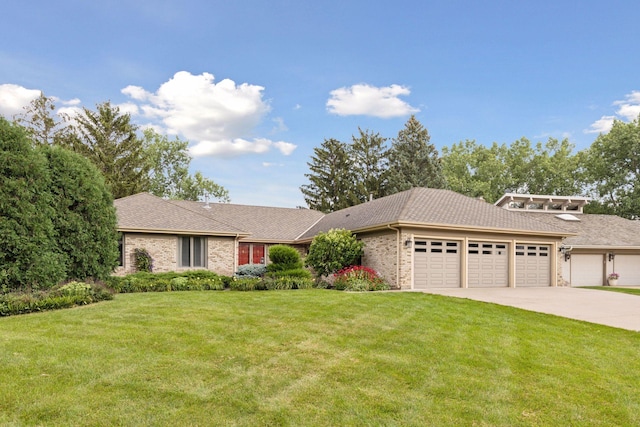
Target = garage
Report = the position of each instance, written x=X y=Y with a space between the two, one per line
x=488 y=265
x=533 y=265
x=586 y=270
x=628 y=267
x=436 y=264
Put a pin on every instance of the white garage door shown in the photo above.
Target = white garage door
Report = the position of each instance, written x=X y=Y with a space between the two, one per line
x=533 y=265
x=436 y=264
x=587 y=270
x=628 y=267
x=488 y=265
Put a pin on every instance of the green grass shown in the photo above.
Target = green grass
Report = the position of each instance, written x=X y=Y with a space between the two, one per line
x=632 y=291
x=313 y=358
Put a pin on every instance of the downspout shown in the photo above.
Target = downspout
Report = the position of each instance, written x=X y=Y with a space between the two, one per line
x=235 y=253
x=398 y=250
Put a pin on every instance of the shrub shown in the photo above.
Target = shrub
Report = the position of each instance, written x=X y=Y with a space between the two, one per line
x=246 y=284
x=358 y=278
x=194 y=280
x=283 y=257
x=287 y=282
x=298 y=272
x=64 y=296
x=251 y=270
x=333 y=250
x=143 y=261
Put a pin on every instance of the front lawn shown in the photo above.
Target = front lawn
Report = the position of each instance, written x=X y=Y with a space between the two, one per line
x=313 y=357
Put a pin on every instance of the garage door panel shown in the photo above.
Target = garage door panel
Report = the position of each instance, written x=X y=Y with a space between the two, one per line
x=628 y=267
x=587 y=269
x=488 y=265
x=436 y=264
x=533 y=265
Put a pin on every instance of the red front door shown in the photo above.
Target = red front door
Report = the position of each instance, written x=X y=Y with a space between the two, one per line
x=243 y=253
x=258 y=254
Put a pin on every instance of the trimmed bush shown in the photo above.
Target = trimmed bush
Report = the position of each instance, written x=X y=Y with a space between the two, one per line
x=288 y=282
x=246 y=284
x=194 y=280
x=251 y=270
x=283 y=257
x=65 y=296
x=298 y=272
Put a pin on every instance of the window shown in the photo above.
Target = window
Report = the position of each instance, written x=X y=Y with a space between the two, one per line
x=192 y=251
x=120 y=250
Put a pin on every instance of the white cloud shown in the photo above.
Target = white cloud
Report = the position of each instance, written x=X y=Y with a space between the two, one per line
x=363 y=99
x=603 y=125
x=14 y=98
x=280 y=126
x=219 y=117
x=628 y=109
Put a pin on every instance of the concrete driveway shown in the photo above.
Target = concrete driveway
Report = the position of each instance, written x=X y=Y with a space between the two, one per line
x=606 y=308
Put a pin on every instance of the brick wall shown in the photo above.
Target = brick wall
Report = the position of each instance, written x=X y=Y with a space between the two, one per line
x=381 y=255
x=163 y=249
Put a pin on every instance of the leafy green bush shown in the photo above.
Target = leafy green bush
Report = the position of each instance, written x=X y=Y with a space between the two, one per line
x=332 y=251
x=298 y=272
x=359 y=279
x=64 y=296
x=251 y=270
x=193 y=280
x=246 y=284
x=143 y=260
x=287 y=282
x=283 y=257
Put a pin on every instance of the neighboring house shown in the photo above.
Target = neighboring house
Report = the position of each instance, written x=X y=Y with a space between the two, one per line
x=415 y=239
x=603 y=244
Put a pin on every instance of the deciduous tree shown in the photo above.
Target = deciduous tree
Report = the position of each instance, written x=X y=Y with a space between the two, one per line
x=612 y=166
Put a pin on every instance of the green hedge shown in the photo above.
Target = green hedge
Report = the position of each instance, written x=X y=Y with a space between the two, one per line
x=195 y=280
x=61 y=296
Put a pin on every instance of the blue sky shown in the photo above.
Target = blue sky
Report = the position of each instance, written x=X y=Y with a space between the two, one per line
x=256 y=85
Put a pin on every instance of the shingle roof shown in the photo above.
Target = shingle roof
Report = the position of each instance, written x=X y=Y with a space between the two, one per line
x=595 y=230
x=145 y=212
x=262 y=223
x=432 y=207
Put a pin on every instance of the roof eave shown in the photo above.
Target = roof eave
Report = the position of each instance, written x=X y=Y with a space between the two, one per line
x=181 y=232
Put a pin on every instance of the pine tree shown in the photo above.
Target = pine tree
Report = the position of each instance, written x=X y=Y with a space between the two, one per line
x=332 y=179
x=413 y=161
x=369 y=156
x=108 y=139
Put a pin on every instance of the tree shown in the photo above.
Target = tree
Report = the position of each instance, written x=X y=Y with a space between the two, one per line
x=108 y=139
x=413 y=161
x=332 y=178
x=84 y=220
x=612 y=169
x=370 y=165
x=43 y=126
x=28 y=258
x=168 y=163
x=489 y=172
x=333 y=250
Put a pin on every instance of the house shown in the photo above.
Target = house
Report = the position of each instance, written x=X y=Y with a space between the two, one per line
x=602 y=244
x=415 y=239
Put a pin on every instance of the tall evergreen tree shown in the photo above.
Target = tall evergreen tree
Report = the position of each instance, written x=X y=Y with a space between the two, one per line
x=413 y=160
x=85 y=217
x=28 y=256
x=369 y=156
x=108 y=139
x=44 y=127
x=331 y=178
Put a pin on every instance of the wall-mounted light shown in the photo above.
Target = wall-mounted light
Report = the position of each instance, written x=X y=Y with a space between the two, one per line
x=407 y=244
x=611 y=256
x=567 y=256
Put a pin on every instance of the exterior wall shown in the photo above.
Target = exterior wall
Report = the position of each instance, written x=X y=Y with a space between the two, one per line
x=163 y=249
x=380 y=253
